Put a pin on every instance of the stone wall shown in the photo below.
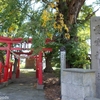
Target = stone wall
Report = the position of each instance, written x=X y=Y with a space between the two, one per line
x=76 y=84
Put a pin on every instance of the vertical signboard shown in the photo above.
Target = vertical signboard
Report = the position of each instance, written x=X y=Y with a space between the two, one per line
x=63 y=58
x=62 y=64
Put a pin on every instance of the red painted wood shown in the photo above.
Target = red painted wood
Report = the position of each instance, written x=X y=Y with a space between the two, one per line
x=37 y=67
x=8 y=55
x=4 y=38
x=47 y=49
x=3 y=48
x=10 y=70
x=18 y=48
x=19 y=40
x=0 y=71
x=15 y=40
x=27 y=53
x=3 y=76
x=5 y=73
x=48 y=41
x=7 y=61
x=40 y=76
x=38 y=58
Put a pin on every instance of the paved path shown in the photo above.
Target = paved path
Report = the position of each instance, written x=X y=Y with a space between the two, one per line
x=22 y=89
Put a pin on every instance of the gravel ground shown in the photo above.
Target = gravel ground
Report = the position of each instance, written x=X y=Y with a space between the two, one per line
x=23 y=88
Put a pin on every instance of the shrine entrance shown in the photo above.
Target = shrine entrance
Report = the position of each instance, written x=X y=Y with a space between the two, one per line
x=16 y=47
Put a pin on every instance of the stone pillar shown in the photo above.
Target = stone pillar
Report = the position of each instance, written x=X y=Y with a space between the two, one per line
x=62 y=62
x=62 y=59
x=78 y=84
x=95 y=50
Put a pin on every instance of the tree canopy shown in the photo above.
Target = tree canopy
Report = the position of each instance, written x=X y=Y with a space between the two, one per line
x=64 y=21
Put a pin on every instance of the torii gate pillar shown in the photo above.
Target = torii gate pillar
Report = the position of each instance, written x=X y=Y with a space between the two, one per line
x=8 y=54
x=7 y=61
x=40 y=76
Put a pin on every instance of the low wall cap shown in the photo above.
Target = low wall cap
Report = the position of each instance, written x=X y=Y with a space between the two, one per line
x=79 y=70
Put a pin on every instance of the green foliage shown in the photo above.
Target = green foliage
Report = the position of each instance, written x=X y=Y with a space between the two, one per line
x=28 y=23
x=13 y=12
x=22 y=65
x=77 y=47
x=77 y=53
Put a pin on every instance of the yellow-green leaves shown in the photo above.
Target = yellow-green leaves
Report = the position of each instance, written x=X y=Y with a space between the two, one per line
x=45 y=17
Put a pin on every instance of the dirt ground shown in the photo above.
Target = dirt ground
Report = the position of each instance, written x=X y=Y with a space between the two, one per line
x=24 y=88
x=51 y=87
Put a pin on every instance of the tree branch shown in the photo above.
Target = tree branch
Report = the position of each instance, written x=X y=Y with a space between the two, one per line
x=90 y=15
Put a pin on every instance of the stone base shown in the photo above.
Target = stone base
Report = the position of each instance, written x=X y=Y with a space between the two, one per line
x=91 y=98
x=4 y=84
x=76 y=84
x=41 y=87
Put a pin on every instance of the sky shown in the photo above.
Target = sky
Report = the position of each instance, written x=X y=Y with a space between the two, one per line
x=36 y=6
x=88 y=2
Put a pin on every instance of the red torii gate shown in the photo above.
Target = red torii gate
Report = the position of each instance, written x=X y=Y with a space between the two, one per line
x=8 y=66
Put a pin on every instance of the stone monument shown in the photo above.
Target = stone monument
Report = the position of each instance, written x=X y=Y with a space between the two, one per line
x=95 y=50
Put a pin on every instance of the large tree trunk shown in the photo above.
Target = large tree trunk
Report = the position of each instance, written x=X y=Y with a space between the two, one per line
x=15 y=65
x=73 y=10
x=70 y=9
x=48 y=68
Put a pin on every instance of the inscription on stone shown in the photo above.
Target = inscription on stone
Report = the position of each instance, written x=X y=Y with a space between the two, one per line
x=97 y=41
x=97 y=29
x=95 y=50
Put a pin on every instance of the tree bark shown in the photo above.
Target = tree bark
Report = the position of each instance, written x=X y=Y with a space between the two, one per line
x=70 y=9
x=15 y=65
x=48 y=68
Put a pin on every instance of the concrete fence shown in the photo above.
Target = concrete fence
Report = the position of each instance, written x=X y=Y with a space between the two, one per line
x=78 y=84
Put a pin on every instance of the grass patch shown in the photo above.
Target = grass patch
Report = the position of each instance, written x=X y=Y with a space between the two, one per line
x=22 y=65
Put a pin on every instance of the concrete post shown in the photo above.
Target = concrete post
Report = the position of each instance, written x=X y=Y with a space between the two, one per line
x=63 y=58
x=63 y=63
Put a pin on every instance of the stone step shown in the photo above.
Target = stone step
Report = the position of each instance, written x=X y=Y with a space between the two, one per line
x=91 y=98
